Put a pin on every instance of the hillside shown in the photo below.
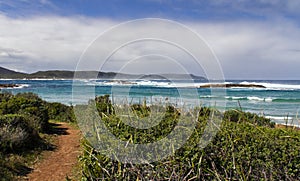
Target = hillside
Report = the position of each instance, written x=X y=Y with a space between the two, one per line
x=6 y=73
x=65 y=74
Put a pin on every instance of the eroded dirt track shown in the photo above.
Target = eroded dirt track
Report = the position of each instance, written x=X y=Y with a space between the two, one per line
x=58 y=164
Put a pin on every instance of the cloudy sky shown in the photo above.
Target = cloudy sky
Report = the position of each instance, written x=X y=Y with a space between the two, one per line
x=255 y=39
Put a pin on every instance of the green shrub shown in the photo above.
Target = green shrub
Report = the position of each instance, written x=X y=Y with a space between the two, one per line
x=38 y=117
x=104 y=105
x=12 y=104
x=29 y=105
x=22 y=118
x=5 y=171
x=5 y=96
x=60 y=112
x=140 y=110
x=239 y=116
x=247 y=147
x=16 y=134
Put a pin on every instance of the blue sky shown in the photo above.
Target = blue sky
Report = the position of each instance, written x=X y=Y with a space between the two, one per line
x=172 y=9
x=256 y=39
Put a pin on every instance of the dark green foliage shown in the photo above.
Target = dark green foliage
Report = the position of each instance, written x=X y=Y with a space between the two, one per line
x=204 y=112
x=239 y=116
x=37 y=110
x=23 y=115
x=4 y=97
x=38 y=117
x=139 y=136
x=27 y=104
x=243 y=151
x=5 y=173
x=16 y=133
x=22 y=118
x=140 y=110
x=126 y=132
x=104 y=105
x=247 y=147
x=60 y=112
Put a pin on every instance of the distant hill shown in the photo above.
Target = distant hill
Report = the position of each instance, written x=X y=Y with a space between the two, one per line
x=52 y=74
x=64 y=74
x=6 y=73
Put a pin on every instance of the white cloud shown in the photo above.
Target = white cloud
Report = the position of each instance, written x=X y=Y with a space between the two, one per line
x=255 y=49
x=246 y=49
x=48 y=42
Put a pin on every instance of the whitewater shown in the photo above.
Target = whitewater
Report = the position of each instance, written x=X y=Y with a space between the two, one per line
x=279 y=100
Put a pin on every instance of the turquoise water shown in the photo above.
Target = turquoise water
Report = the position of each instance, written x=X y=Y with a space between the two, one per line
x=280 y=100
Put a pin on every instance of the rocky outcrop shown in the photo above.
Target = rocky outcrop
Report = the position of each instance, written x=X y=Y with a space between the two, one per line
x=8 y=85
x=232 y=85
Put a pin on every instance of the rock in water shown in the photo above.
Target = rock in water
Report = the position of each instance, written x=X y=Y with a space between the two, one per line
x=231 y=85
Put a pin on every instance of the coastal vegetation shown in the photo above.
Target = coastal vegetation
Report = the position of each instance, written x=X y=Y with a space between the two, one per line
x=246 y=146
x=25 y=131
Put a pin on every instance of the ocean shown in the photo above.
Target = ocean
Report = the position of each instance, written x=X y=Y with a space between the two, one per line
x=279 y=101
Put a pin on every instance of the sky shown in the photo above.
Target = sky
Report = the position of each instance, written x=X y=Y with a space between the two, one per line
x=255 y=39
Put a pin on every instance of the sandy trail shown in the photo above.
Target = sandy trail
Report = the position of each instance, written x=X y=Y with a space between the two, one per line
x=57 y=164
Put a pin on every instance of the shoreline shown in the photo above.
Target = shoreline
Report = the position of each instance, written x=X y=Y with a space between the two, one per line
x=252 y=100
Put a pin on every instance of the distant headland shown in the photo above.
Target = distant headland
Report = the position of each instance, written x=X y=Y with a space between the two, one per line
x=66 y=74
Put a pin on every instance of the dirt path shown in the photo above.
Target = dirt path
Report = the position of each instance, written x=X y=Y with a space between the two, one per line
x=57 y=164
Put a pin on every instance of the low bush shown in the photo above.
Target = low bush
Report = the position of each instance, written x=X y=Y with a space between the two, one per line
x=239 y=116
x=37 y=116
x=27 y=104
x=5 y=171
x=246 y=147
x=24 y=120
x=16 y=133
x=60 y=112
x=104 y=105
